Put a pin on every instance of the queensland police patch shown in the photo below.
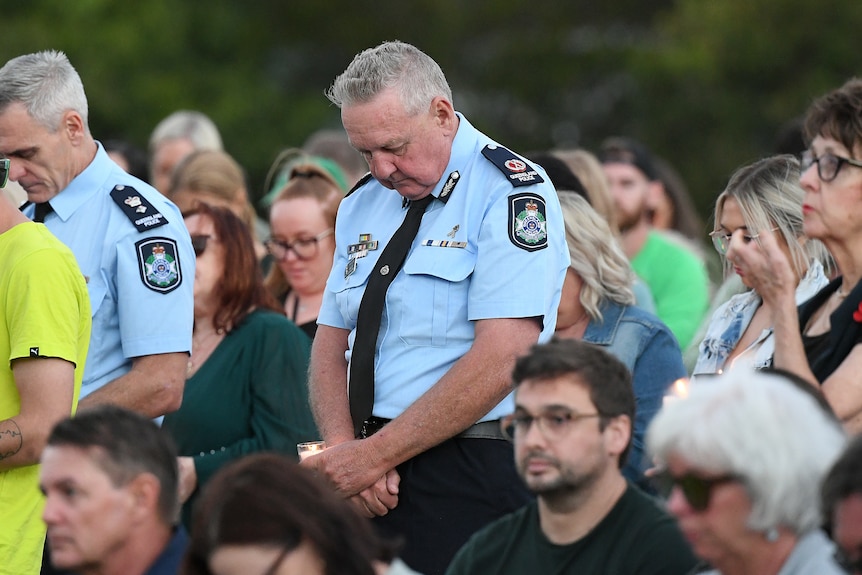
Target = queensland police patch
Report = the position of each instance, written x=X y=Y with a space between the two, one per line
x=527 y=225
x=159 y=263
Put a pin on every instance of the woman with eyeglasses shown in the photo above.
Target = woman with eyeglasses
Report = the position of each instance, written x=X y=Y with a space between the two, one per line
x=741 y=463
x=821 y=341
x=765 y=195
x=246 y=380
x=302 y=221
x=598 y=306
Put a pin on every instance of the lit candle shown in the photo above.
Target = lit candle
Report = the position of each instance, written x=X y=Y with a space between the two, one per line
x=310 y=448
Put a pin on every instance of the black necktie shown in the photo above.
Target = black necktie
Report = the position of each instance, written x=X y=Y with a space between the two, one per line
x=361 y=389
x=42 y=210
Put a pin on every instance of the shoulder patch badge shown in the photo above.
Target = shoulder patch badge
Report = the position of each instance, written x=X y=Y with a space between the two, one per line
x=527 y=225
x=519 y=172
x=159 y=263
x=141 y=212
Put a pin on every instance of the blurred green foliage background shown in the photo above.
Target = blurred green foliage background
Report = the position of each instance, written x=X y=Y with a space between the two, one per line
x=707 y=84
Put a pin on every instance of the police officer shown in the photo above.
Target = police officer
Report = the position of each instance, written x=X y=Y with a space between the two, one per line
x=130 y=242
x=481 y=283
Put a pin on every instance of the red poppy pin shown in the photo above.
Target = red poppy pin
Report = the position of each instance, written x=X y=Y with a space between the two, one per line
x=857 y=315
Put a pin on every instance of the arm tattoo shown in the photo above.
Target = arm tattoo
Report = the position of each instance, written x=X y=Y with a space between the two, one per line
x=11 y=438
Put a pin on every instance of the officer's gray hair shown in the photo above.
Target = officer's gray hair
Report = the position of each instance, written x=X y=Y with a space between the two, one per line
x=47 y=85
x=193 y=126
x=417 y=77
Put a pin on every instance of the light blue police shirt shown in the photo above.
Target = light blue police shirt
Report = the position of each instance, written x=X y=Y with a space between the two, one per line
x=139 y=307
x=465 y=264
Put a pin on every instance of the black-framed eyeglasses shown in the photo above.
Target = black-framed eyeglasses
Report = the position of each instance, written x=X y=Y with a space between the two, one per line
x=828 y=165
x=721 y=239
x=304 y=248
x=849 y=565
x=4 y=172
x=554 y=425
x=199 y=243
x=696 y=490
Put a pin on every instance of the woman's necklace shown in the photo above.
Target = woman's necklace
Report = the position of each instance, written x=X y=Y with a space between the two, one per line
x=202 y=348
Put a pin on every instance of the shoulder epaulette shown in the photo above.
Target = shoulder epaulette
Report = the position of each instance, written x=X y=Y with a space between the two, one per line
x=143 y=215
x=519 y=172
x=362 y=181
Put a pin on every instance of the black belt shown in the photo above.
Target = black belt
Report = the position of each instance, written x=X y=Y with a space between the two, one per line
x=482 y=430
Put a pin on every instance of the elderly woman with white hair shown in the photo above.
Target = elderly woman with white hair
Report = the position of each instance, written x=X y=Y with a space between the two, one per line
x=598 y=306
x=743 y=460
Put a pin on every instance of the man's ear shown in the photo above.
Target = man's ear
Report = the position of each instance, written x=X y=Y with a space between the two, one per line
x=617 y=433
x=444 y=114
x=73 y=126
x=144 y=490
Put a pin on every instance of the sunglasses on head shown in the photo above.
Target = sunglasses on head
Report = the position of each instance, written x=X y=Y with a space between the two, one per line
x=199 y=244
x=696 y=490
x=4 y=172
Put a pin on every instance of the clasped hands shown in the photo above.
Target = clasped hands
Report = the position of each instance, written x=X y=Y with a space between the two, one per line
x=355 y=470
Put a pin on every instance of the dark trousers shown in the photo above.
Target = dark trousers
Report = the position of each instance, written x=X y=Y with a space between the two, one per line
x=447 y=494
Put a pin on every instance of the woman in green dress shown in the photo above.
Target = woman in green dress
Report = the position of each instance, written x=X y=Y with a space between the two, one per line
x=246 y=383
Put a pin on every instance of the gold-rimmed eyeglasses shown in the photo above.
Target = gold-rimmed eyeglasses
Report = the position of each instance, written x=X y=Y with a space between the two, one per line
x=721 y=239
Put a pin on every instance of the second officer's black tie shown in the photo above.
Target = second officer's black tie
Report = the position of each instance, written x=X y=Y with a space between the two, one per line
x=361 y=389
x=42 y=210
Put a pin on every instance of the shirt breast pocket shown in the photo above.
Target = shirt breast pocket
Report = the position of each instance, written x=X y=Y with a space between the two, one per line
x=433 y=297
x=348 y=295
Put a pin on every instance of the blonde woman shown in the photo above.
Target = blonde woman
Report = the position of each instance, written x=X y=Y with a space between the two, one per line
x=215 y=178
x=597 y=306
x=765 y=195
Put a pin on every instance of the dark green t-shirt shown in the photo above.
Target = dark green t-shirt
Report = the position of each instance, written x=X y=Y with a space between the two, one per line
x=637 y=537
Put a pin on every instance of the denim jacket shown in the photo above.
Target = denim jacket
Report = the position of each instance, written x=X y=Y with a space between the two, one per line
x=647 y=347
x=731 y=319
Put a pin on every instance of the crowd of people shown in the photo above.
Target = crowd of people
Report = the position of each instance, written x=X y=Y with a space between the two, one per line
x=517 y=363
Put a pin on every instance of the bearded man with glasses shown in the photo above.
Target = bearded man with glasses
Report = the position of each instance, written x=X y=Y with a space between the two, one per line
x=572 y=426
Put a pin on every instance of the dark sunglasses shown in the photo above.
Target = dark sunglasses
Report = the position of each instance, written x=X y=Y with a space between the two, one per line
x=696 y=490
x=199 y=244
x=4 y=172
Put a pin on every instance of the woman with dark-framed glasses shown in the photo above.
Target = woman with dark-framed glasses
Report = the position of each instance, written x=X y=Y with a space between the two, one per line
x=302 y=221
x=821 y=342
x=765 y=195
x=740 y=462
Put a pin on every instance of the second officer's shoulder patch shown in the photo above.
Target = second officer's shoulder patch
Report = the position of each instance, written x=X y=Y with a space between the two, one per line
x=518 y=172
x=159 y=263
x=142 y=214
x=527 y=226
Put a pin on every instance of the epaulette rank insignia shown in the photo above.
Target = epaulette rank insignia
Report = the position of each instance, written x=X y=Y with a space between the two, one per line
x=143 y=215
x=519 y=172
